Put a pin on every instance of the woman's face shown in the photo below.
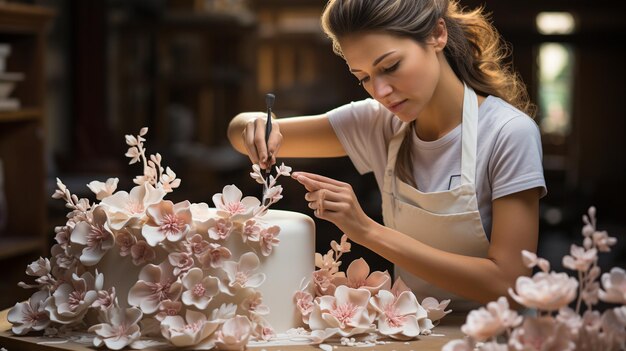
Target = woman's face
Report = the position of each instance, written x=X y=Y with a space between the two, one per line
x=396 y=71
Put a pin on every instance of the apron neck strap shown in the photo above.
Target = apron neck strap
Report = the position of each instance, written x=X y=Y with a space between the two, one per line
x=468 y=139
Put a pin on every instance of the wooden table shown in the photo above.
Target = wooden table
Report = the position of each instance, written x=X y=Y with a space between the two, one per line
x=447 y=330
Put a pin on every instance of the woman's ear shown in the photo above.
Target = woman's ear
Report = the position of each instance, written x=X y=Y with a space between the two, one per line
x=440 y=35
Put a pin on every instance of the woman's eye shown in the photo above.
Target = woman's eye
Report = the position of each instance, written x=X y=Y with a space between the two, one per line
x=392 y=67
x=364 y=80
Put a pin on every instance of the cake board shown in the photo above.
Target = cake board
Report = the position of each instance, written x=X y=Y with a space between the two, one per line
x=448 y=329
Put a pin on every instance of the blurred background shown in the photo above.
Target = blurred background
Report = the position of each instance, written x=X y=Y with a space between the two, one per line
x=78 y=75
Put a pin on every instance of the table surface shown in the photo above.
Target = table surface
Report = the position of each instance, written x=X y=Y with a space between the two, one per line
x=447 y=330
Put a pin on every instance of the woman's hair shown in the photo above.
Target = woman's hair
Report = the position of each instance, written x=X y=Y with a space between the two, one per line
x=474 y=49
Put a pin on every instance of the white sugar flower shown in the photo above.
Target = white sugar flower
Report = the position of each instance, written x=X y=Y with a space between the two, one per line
x=123 y=207
x=545 y=291
x=119 y=329
x=614 y=284
x=230 y=204
x=103 y=190
x=241 y=274
x=95 y=237
x=200 y=290
x=30 y=315
x=189 y=331
x=398 y=317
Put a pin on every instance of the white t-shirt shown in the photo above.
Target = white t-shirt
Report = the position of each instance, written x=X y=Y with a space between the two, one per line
x=509 y=155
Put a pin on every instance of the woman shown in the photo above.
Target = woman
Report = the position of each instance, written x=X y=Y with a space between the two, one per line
x=449 y=139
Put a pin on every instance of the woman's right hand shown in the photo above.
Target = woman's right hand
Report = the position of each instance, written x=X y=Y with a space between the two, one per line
x=254 y=140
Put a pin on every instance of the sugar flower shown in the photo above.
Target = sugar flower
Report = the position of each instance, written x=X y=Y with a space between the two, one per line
x=230 y=204
x=254 y=303
x=155 y=284
x=398 y=317
x=189 y=331
x=268 y=239
x=457 y=345
x=123 y=207
x=346 y=310
x=119 y=329
x=125 y=241
x=614 y=284
x=545 y=291
x=181 y=261
x=106 y=299
x=95 y=237
x=234 y=334
x=142 y=253
x=168 y=308
x=215 y=256
x=30 y=315
x=200 y=290
x=580 y=259
x=167 y=221
x=103 y=190
x=241 y=274
x=435 y=309
x=220 y=229
x=304 y=303
x=251 y=231
x=71 y=300
x=358 y=277
x=485 y=323
x=196 y=245
x=541 y=334
x=39 y=268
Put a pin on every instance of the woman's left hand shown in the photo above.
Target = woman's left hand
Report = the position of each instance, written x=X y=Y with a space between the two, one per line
x=335 y=202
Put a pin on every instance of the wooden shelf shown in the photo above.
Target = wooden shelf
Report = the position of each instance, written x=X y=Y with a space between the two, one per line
x=11 y=247
x=26 y=114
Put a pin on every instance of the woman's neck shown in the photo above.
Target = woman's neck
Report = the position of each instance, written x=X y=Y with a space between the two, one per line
x=445 y=110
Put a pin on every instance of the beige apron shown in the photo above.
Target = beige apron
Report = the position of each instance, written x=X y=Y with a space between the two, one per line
x=446 y=220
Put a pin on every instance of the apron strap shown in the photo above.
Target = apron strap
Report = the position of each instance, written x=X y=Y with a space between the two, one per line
x=469 y=141
x=469 y=138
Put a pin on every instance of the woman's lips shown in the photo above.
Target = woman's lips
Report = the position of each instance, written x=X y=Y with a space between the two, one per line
x=397 y=106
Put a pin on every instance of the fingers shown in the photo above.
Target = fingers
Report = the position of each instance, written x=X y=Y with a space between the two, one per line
x=314 y=182
x=260 y=152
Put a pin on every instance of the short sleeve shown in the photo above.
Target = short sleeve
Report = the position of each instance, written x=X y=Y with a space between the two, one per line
x=516 y=163
x=361 y=128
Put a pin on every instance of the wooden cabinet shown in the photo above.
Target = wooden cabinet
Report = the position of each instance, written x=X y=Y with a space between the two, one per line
x=22 y=145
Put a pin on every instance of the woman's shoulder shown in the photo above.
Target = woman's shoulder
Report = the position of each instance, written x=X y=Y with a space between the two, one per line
x=498 y=115
x=367 y=110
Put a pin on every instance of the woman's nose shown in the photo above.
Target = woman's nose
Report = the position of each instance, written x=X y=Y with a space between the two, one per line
x=381 y=88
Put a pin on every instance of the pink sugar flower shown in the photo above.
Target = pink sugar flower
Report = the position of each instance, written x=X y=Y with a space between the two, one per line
x=234 y=334
x=30 y=315
x=230 y=204
x=219 y=229
x=241 y=274
x=155 y=284
x=251 y=231
x=346 y=310
x=215 y=256
x=200 y=290
x=190 y=331
x=268 y=239
x=398 y=317
x=196 y=245
x=125 y=241
x=485 y=323
x=545 y=291
x=119 y=329
x=358 y=277
x=181 y=261
x=106 y=299
x=304 y=303
x=142 y=253
x=95 y=237
x=614 y=284
x=167 y=221
x=254 y=303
